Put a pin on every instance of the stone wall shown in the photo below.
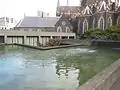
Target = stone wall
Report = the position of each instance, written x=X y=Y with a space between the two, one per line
x=106 y=43
x=104 y=80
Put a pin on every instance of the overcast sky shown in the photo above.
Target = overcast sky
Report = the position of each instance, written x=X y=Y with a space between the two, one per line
x=17 y=8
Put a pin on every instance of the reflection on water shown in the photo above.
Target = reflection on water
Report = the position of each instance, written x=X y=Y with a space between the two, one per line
x=61 y=69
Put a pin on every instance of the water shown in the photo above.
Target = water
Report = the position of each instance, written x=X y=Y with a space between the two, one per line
x=61 y=69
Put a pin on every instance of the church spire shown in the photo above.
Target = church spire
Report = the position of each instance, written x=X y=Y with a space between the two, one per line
x=58 y=8
x=67 y=2
x=58 y=3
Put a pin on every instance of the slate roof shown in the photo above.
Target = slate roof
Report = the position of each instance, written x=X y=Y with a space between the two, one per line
x=35 y=22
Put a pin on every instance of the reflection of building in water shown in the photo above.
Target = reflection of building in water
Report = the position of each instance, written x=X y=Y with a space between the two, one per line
x=62 y=70
x=63 y=67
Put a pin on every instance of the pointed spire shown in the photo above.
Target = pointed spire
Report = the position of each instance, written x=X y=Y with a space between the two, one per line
x=58 y=3
x=67 y=2
x=103 y=6
x=116 y=4
x=87 y=11
x=80 y=1
x=109 y=2
x=58 y=8
x=83 y=3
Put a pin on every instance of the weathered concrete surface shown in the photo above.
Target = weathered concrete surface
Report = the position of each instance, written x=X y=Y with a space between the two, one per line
x=107 y=43
x=75 y=41
x=105 y=80
x=49 y=48
x=116 y=85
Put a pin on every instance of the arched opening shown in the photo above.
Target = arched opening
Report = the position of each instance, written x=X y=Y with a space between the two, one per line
x=67 y=30
x=109 y=23
x=118 y=20
x=59 y=29
x=85 y=26
x=101 y=23
x=94 y=23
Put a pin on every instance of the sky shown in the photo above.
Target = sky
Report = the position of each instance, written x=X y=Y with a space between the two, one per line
x=17 y=8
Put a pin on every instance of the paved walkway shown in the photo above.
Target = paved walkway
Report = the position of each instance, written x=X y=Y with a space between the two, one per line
x=116 y=85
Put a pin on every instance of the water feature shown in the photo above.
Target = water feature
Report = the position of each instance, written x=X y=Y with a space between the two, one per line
x=61 y=69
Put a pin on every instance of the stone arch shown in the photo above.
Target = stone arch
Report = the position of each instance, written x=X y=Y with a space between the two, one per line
x=67 y=29
x=85 y=26
x=101 y=23
x=59 y=29
x=109 y=21
x=118 y=20
x=94 y=23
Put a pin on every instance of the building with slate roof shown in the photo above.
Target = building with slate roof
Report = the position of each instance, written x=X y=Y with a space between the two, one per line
x=92 y=14
x=38 y=31
x=48 y=24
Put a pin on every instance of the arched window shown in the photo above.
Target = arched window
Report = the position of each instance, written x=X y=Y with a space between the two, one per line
x=109 y=23
x=118 y=20
x=101 y=23
x=59 y=29
x=94 y=23
x=85 y=26
x=67 y=30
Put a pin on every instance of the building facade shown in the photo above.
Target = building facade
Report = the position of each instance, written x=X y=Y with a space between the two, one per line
x=7 y=23
x=48 y=24
x=42 y=14
x=41 y=29
x=100 y=14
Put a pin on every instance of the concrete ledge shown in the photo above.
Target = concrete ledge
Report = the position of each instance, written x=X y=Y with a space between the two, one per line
x=108 y=43
x=104 y=80
x=48 y=48
x=116 y=48
x=5 y=44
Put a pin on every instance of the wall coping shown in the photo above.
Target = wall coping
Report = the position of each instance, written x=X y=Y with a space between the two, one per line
x=103 y=80
x=105 y=41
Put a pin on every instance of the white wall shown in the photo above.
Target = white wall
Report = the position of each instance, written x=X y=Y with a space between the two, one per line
x=31 y=37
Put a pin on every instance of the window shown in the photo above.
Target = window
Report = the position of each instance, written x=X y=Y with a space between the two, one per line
x=59 y=29
x=101 y=23
x=7 y=19
x=85 y=26
x=67 y=30
x=11 y=20
x=118 y=20
x=109 y=22
x=94 y=23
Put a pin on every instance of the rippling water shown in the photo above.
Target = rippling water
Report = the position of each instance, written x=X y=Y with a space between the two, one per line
x=61 y=69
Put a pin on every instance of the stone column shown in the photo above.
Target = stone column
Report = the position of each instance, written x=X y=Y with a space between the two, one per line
x=68 y=37
x=60 y=37
x=39 y=43
x=5 y=39
x=24 y=40
x=74 y=37
x=51 y=37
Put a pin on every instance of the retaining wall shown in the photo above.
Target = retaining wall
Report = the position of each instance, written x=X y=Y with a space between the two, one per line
x=107 y=43
x=104 y=80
